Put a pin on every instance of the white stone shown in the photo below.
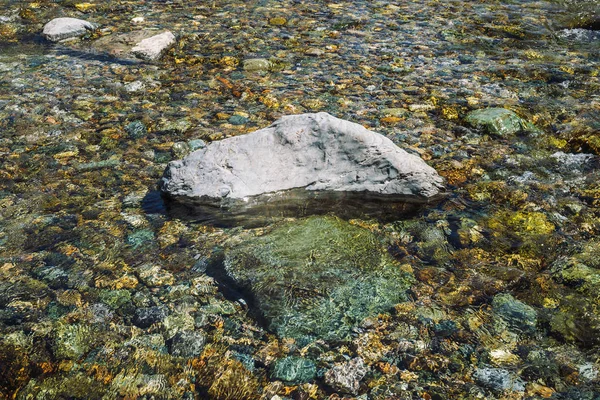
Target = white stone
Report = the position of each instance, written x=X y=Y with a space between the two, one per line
x=346 y=377
x=153 y=47
x=65 y=28
x=316 y=152
x=135 y=86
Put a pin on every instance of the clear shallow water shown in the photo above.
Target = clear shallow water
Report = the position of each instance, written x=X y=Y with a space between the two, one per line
x=82 y=252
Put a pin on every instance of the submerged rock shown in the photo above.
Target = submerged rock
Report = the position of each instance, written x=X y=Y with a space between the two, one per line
x=314 y=278
x=147 y=316
x=136 y=129
x=72 y=341
x=345 y=377
x=299 y=158
x=65 y=28
x=256 y=65
x=517 y=314
x=186 y=344
x=294 y=370
x=498 y=380
x=498 y=121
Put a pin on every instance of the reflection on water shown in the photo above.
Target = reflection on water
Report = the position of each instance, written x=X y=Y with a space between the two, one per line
x=261 y=210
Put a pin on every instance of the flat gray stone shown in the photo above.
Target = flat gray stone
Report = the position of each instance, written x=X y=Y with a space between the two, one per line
x=307 y=153
x=153 y=47
x=65 y=28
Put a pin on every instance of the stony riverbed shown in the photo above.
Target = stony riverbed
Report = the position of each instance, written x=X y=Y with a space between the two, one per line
x=490 y=293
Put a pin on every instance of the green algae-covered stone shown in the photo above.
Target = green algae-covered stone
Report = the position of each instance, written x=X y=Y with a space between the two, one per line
x=71 y=341
x=136 y=129
x=237 y=120
x=115 y=298
x=581 y=271
x=498 y=121
x=317 y=277
x=294 y=370
x=517 y=314
x=577 y=320
x=140 y=238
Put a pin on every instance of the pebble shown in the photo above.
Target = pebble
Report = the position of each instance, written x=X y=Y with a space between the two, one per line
x=278 y=21
x=346 y=377
x=257 y=65
x=187 y=344
x=517 y=314
x=313 y=51
x=135 y=86
x=110 y=163
x=136 y=129
x=570 y=160
x=237 y=120
x=146 y=317
x=180 y=149
x=196 y=144
x=155 y=276
x=498 y=380
x=395 y=112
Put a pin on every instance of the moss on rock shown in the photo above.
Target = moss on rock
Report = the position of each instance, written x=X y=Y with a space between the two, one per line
x=318 y=277
x=498 y=121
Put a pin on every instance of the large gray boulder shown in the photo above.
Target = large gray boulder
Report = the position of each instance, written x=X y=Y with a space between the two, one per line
x=65 y=28
x=302 y=153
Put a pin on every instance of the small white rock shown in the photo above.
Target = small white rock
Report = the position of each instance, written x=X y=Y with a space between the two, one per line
x=135 y=86
x=153 y=47
x=588 y=371
x=65 y=28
